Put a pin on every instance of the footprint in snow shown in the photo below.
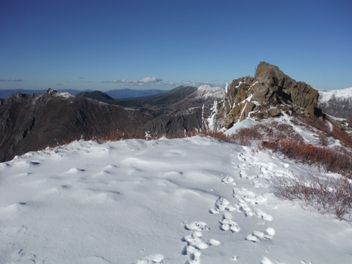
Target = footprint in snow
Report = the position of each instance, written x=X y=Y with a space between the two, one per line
x=257 y=184
x=195 y=242
x=243 y=206
x=241 y=157
x=228 y=224
x=249 y=197
x=265 y=173
x=243 y=174
x=235 y=258
x=194 y=258
x=221 y=205
x=252 y=238
x=243 y=192
x=257 y=235
x=152 y=259
x=228 y=180
x=264 y=215
x=269 y=233
x=195 y=226
x=265 y=260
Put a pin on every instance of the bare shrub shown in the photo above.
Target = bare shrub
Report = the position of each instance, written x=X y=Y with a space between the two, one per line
x=342 y=136
x=331 y=159
x=315 y=122
x=332 y=195
x=218 y=135
x=323 y=126
x=323 y=140
x=119 y=135
x=265 y=132
x=245 y=136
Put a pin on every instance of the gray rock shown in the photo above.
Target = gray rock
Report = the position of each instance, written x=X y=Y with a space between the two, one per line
x=273 y=112
x=268 y=91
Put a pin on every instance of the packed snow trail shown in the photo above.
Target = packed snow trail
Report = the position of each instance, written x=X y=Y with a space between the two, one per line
x=187 y=201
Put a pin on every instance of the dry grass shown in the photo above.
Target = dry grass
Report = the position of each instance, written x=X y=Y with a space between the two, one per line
x=328 y=195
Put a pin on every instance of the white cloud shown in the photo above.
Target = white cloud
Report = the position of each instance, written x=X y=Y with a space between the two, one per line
x=142 y=81
x=150 y=79
x=195 y=84
x=11 y=80
x=160 y=82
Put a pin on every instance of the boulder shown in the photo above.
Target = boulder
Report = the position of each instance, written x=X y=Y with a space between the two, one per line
x=297 y=93
x=273 y=112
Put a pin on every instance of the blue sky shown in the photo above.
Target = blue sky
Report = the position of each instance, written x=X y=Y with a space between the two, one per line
x=160 y=44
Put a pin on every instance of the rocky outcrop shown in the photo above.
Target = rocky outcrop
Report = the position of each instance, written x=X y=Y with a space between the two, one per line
x=269 y=93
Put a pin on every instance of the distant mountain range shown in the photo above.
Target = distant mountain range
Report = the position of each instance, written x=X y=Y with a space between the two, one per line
x=337 y=103
x=30 y=122
x=116 y=94
x=34 y=119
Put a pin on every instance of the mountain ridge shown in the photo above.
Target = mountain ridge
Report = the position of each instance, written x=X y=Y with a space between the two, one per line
x=337 y=103
x=32 y=122
x=116 y=93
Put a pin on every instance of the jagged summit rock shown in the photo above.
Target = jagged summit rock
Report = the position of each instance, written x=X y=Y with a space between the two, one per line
x=51 y=91
x=299 y=93
x=269 y=92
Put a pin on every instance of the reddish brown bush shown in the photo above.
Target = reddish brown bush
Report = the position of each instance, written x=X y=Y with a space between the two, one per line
x=315 y=122
x=342 y=136
x=328 y=196
x=330 y=159
x=327 y=128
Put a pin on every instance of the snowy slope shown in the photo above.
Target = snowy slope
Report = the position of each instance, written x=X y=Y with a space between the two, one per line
x=206 y=91
x=64 y=95
x=191 y=200
x=325 y=96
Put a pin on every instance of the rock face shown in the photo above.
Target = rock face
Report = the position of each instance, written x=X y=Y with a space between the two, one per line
x=269 y=93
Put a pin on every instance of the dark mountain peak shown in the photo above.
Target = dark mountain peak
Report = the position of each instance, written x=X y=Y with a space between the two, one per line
x=33 y=122
x=97 y=95
x=51 y=91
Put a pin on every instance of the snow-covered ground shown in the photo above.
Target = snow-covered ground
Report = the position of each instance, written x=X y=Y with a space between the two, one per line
x=192 y=200
x=64 y=95
x=206 y=91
